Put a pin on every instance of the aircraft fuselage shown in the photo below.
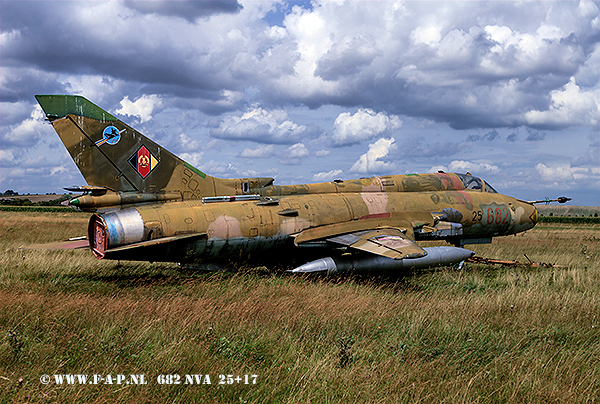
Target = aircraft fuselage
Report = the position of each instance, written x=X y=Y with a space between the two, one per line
x=238 y=228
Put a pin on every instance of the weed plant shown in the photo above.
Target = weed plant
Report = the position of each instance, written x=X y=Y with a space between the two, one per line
x=485 y=334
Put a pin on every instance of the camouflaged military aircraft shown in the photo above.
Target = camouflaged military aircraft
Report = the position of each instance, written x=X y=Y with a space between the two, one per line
x=152 y=206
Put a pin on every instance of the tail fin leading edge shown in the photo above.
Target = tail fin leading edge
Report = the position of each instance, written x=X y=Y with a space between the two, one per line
x=111 y=154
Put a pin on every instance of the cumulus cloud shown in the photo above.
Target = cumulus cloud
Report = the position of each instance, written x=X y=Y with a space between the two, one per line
x=370 y=161
x=534 y=135
x=6 y=158
x=189 y=144
x=526 y=70
x=141 y=108
x=25 y=133
x=564 y=172
x=297 y=151
x=490 y=136
x=294 y=154
x=512 y=137
x=327 y=176
x=261 y=151
x=428 y=34
x=448 y=64
x=347 y=57
x=365 y=124
x=462 y=166
x=569 y=106
x=259 y=125
x=415 y=147
x=194 y=158
x=188 y=10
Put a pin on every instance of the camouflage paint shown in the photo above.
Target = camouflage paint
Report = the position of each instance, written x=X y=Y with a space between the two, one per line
x=155 y=210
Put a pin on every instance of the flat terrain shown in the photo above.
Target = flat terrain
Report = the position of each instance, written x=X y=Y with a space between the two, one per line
x=485 y=334
x=568 y=210
x=34 y=198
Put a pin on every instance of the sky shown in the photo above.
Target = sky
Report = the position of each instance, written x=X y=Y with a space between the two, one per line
x=316 y=91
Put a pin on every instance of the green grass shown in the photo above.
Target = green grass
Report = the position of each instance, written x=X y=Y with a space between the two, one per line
x=35 y=208
x=485 y=334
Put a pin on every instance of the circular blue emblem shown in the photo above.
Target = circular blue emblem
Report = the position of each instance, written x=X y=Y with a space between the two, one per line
x=111 y=135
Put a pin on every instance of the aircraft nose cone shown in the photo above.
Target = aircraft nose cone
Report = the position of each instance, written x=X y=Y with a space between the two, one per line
x=534 y=216
x=530 y=218
x=526 y=215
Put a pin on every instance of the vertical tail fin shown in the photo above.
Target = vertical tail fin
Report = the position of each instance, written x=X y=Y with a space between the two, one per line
x=111 y=154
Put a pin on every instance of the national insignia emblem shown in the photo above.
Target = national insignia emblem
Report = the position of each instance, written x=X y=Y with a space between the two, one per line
x=143 y=162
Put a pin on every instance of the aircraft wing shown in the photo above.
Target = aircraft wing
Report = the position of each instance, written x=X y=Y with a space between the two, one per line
x=391 y=243
x=388 y=237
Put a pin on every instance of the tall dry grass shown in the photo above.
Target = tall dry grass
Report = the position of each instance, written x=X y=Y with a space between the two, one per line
x=485 y=334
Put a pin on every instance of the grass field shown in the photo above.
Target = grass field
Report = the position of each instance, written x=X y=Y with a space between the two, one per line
x=481 y=335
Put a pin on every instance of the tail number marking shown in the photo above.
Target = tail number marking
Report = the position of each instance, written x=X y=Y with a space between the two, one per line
x=497 y=215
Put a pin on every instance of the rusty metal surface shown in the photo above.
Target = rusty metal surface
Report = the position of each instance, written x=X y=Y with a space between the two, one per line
x=512 y=264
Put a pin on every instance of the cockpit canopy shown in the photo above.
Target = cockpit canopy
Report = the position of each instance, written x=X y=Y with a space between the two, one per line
x=476 y=184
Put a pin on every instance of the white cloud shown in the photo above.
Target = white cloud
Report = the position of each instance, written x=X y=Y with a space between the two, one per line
x=294 y=154
x=456 y=66
x=327 y=176
x=365 y=124
x=258 y=125
x=26 y=133
x=347 y=57
x=261 y=151
x=370 y=161
x=565 y=173
x=427 y=34
x=6 y=156
x=219 y=168
x=569 y=106
x=297 y=151
x=96 y=88
x=188 y=144
x=142 y=108
x=194 y=159
x=59 y=170
x=311 y=31
x=462 y=166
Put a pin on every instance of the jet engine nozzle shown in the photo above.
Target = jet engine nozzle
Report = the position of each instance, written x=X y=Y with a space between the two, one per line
x=114 y=229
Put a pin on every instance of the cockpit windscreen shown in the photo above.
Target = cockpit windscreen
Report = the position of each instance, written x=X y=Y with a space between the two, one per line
x=476 y=184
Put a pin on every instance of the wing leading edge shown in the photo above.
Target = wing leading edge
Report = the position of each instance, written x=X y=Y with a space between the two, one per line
x=391 y=236
x=390 y=243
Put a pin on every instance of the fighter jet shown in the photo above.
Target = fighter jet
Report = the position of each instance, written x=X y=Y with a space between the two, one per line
x=150 y=205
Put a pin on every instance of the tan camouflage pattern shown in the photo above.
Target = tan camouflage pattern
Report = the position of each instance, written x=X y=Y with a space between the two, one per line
x=162 y=216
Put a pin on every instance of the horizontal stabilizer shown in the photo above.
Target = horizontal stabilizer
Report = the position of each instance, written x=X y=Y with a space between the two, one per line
x=71 y=244
x=156 y=249
x=94 y=190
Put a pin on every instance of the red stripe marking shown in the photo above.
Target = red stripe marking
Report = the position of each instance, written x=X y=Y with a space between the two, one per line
x=376 y=216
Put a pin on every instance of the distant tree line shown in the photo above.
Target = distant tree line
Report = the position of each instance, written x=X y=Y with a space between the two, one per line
x=27 y=202
x=569 y=219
